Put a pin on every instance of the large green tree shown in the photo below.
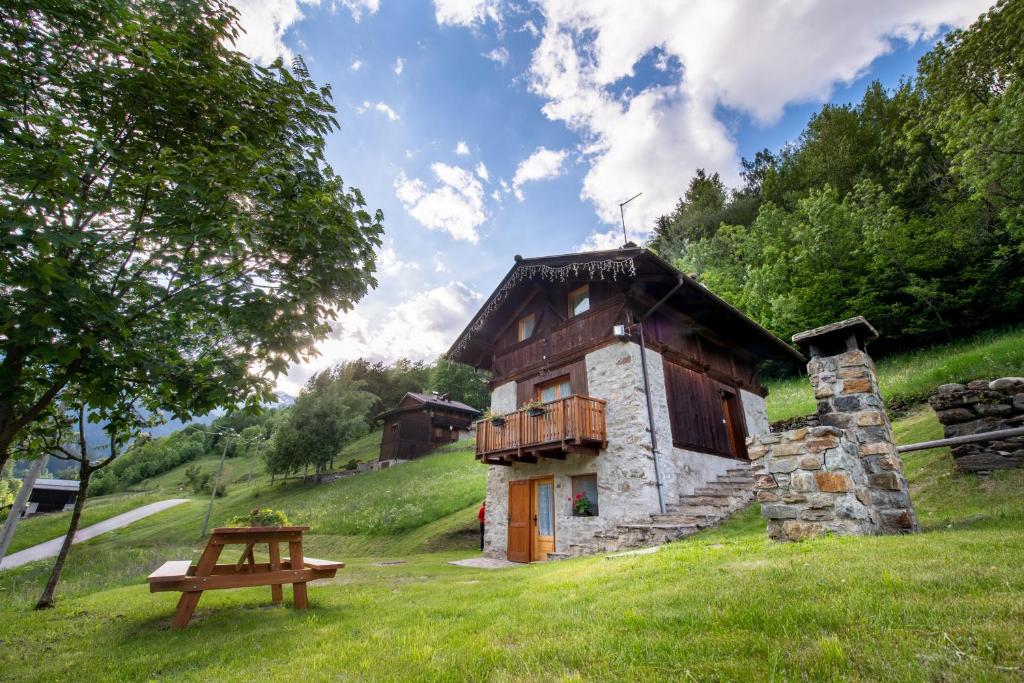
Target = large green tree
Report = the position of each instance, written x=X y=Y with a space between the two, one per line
x=330 y=412
x=169 y=228
x=906 y=207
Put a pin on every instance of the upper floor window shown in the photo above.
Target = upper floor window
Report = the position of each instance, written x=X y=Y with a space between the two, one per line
x=556 y=388
x=579 y=300
x=526 y=326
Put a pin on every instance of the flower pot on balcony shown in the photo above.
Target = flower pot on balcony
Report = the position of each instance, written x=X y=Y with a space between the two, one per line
x=498 y=421
x=536 y=412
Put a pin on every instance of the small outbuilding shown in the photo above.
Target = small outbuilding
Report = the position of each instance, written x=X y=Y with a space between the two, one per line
x=52 y=495
x=422 y=422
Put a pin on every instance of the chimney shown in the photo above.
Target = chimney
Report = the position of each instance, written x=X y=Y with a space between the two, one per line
x=844 y=476
x=845 y=384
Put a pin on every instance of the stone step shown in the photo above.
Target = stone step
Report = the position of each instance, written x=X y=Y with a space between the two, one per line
x=735 y=479
x=720 y=491
x=660 y=527
x=678 y=518
x=704 y=500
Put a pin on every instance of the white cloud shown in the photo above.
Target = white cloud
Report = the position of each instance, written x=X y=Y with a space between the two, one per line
x=751 y=56
x=388 y=261
x=543 y=163
x=481 y=172
x=462 y=149
x=455 y=205
x=421 y=327
x=382 y=107
x=264 y=23
x=357 y=64
x=499 y=55
x=399 y=66
x=467 y=12
x=439 y=264
x=357 y=7
x=601 y=241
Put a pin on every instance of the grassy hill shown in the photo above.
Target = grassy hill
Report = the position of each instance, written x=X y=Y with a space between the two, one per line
x=945 y=604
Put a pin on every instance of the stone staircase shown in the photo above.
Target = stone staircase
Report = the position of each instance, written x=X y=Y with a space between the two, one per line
x=708 y=506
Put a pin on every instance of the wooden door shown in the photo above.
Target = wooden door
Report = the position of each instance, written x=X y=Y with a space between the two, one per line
x=543 y=537
x=732 y=411
x=519 y=518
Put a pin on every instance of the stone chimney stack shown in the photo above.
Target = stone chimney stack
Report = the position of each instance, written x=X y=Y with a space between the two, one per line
x=845 y=476
x=845 y=384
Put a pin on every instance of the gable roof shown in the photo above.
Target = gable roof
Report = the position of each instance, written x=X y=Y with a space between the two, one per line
x=424 y=400
x=628 y=264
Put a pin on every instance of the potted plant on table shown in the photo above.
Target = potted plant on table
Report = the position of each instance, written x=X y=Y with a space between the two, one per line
x=496 y=419
x=260 y=517
x=582 y=506
x=535 y=408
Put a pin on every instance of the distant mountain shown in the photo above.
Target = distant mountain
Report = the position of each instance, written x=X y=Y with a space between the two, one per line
x=283 y=400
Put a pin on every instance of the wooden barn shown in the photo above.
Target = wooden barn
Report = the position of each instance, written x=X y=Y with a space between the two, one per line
x=421 y=423
x=624 y=392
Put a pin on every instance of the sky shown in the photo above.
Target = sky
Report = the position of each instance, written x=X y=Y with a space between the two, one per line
x=489 y=128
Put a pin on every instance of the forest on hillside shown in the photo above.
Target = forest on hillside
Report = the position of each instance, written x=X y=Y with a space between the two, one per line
x=334 y=408
x=906 y=207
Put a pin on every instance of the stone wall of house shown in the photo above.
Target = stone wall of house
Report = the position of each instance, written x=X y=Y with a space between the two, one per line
x=863 y=462
x=625 y=470
x=813 y=484
x=983 y=406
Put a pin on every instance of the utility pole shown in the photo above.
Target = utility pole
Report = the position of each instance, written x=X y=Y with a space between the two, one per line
x=259 y=452
x=216 y=483
x=19 y=504
x=622 y=215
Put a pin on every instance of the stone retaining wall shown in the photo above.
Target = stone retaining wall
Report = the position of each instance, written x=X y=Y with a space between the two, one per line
x=983 y=406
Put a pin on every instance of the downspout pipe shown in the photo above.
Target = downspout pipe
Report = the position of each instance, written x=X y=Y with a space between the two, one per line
x=647 y=392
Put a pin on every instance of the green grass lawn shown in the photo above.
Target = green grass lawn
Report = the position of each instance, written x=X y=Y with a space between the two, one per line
x=728 y=604
x=910 y=377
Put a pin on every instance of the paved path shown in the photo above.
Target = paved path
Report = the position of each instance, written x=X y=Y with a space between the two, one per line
x=486 y=563
x=51 y=548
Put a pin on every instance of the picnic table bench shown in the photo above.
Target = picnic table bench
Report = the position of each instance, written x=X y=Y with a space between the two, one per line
x=191 y=580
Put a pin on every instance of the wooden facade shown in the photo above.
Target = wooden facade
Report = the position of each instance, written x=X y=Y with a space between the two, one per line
x=537 y=329
x=421 y=423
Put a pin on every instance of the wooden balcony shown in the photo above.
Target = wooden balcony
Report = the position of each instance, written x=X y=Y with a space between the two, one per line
x=575 y=424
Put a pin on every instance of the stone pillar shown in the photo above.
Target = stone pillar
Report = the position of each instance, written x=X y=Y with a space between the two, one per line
x=862 y=461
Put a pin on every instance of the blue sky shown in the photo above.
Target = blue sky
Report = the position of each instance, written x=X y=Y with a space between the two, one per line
x=487 y=128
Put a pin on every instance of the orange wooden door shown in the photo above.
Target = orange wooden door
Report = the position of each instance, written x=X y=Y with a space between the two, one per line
x=543 y=537
x=519 y=521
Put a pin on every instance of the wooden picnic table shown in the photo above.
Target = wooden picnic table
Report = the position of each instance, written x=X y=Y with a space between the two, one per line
x=192 y=580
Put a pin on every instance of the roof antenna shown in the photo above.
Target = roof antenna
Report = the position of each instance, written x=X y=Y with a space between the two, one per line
x=622 y=214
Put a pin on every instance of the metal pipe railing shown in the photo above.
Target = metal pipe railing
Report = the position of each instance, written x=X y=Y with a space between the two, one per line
x=960 y=440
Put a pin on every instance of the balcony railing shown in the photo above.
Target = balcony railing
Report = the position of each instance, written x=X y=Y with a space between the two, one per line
x=575 y=424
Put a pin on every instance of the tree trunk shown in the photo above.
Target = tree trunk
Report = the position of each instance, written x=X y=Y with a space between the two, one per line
x=46 y=599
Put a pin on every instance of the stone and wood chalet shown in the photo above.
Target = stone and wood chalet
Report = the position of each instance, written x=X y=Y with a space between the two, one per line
x=422 y=422
x=647 y=385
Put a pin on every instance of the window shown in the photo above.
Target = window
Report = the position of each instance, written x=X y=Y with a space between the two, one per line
x=526 y=326
x=705 y=416
x=556 y=388
x=584 y=488
x=579 y=301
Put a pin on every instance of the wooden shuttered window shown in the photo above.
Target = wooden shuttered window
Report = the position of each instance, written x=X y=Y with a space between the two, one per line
x=696 y=411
